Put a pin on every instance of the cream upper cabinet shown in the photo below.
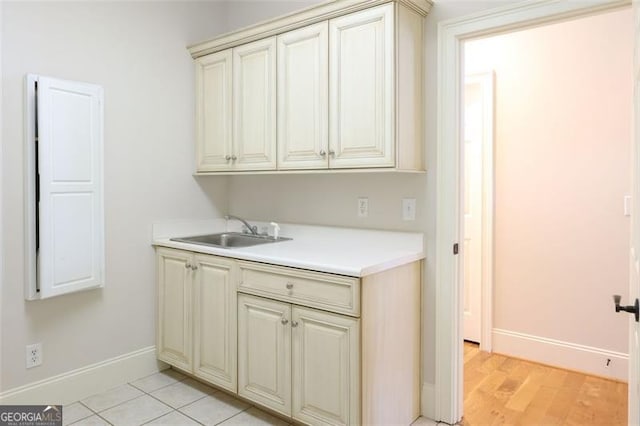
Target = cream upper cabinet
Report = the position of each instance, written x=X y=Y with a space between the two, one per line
x=362 y=89
x=174 y=343
x=303 y=98
x=264 y=352
x=254 y=105
x=214 y=147
x=197 y=303
x=214 y=313
x=326 y=367
x=349 y=92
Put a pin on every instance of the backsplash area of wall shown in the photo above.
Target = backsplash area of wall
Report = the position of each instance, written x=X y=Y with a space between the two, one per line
x=330 y=199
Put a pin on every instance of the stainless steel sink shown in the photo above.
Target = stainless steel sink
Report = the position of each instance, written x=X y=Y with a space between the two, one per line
x=230 y=240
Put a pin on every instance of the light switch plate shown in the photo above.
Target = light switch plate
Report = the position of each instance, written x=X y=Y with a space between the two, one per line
x=408 y=209
x=363 y=207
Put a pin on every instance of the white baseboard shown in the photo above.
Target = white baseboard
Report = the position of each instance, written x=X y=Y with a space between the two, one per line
x=86 y=381
x=428 y=400
x=561 y=354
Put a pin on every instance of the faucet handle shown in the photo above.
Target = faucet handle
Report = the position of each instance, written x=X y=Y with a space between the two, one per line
x=276 y=230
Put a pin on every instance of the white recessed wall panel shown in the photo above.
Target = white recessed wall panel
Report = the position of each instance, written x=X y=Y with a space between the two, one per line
x=65 y=239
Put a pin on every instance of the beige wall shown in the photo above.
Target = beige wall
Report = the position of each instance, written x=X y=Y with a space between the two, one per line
x=562 y=164
x=136 y=50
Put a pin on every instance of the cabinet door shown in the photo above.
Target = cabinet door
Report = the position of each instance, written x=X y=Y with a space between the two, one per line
x=213 y=112
x=264 y=352
x=174 y=308
x=254 y=118
x=326 y=367
x=361 y=80
x=303 y=98
x=215 y=321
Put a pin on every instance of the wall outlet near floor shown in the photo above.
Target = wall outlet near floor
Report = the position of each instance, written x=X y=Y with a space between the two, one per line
x=363 y=207
x=408 y=209
x=34 y=355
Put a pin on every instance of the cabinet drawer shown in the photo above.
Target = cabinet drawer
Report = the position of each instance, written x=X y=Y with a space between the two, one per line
x=335 y=293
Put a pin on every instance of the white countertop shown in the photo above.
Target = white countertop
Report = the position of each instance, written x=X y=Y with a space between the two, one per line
x=344 y=251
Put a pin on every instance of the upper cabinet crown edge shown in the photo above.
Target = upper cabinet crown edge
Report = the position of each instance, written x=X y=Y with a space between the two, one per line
x=308 y=16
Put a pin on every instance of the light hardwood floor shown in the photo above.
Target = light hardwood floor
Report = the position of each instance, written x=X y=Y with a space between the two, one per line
x=499 y=390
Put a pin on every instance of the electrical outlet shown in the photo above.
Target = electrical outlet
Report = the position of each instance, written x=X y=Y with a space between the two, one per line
x=363 y=207
x=408 y=209
x=34 y=355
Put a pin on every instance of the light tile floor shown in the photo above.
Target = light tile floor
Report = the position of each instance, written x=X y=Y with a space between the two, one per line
x=169 y=398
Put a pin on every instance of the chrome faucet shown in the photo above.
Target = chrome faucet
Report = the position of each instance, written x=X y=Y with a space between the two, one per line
x=252 y=229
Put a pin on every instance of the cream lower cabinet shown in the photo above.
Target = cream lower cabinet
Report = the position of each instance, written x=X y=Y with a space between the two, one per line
x=174 y=342
x=197 y=315
x=301 y=362
x=316 y=347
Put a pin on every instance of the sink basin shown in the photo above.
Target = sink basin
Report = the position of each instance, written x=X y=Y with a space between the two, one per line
x=229 y=240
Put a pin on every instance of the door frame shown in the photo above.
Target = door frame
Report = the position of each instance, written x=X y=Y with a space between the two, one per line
x=486 y=81
x=448 y=403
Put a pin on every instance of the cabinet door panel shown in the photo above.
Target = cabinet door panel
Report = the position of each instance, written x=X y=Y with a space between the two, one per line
x=174 y=308
x=213 y=112
x=264 y=352
x=303 y=98
x=254 y=84
x=215 y=321
x=326 y=374
x=362 y=114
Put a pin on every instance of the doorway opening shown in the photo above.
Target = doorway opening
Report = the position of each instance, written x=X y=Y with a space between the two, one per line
x=449 y=272
x=545 y=184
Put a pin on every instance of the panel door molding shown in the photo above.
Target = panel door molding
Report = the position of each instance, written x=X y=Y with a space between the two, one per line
x=214 y=92
x=362 y=89
x=174 y=308
x=303 y=57
x=264 y=352
x=214 y=321
x=326 y=367
x=254 y=105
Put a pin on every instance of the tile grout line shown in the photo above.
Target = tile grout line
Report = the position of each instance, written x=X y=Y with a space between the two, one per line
x=237 y=414
x=124 y=402
x=82 y=418
x=172 y=409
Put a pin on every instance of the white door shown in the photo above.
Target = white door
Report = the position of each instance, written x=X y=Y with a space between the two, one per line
x=213 y=112
x=473 y=186
x=264 y=352
x=634 y=285
x=303 y=123
x=254 y=105
x=362 y=89
x=214 y=321
x=326 y=372
x=70 y=256
x=174 y=308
